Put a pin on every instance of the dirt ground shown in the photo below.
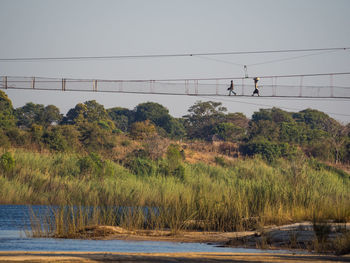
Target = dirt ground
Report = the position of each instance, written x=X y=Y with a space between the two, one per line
x=162 y=257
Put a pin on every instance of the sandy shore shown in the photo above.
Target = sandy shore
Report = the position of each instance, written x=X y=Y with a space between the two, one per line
x=301 y=233
x=19 y=256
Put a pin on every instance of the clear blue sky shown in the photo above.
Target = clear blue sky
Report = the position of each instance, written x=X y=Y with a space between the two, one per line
x=45 y=28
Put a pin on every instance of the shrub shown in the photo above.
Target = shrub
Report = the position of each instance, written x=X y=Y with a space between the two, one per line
x=17 y=136
x=7 y=162
x=4 y=140
x=91 y=163
x=55 y=141
x=270 y=151
x=141 y=166
x=174 y=156
x=142 y=130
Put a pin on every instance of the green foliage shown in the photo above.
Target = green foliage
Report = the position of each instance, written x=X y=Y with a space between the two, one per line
x=174 y=155
x=229 y=131
x=71 y=136
x=121 y=117
x=221 y=197
x=160 y=117
x=7 y=162
x=202 y=119
x=4 y=140
x=152 y=111
x=90 y=111
x=93 y=138
x=54 y=140
x=36 y=132
x=270 y=151
x=51 y=114
x=266 y=129
x=141 y=166
x=106 y=125
x=176 y=129
x=172 y=165
x=275 y=114
x=90 y=164
x=17 y=137
x=32 y=113
x=314 y=119
x=7 y=117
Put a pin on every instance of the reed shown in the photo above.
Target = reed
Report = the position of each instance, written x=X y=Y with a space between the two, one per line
x=245 y=194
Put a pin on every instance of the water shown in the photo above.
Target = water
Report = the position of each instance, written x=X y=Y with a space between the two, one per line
x=14 y=219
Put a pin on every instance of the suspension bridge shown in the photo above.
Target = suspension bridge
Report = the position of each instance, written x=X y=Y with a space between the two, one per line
x=324 y=85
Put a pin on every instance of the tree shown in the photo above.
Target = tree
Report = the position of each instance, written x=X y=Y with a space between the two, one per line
x=7 y=117
x=238 y=119
x=314 y=119
x=264 y=128
x=51 y=114
x=54 y=140
x=32 y=113
x=95 y=138
x=275 y=114
x=75 y=115
x=121 y=117
x=29 y=114
x=160 y=117
x=89 y=111
x=154 y=112
x=229 y=132
x=338 y=138
x=202 y=119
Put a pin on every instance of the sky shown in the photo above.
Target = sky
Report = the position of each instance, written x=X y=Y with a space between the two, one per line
x=65 y=28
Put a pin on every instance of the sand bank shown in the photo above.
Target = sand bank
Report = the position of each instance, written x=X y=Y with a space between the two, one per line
x=18 y=256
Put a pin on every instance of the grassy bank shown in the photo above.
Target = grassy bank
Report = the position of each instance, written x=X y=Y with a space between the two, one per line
x=239 y=194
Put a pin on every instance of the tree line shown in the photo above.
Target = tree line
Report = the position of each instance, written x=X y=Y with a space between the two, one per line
x=89 y=127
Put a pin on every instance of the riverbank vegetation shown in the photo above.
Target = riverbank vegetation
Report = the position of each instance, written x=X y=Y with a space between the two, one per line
x=144 y=169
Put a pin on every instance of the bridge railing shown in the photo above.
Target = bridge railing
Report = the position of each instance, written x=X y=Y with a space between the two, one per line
x=330 y=85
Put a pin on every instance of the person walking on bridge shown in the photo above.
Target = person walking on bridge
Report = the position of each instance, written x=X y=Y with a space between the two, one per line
x=231 y=89
x=256 y=90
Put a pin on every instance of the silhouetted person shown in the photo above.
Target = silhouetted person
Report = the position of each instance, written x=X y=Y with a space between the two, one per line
x=231 y=89
x=256 y=90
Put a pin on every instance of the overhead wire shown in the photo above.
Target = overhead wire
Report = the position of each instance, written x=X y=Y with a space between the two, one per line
x=291 y=58
x=169 y=55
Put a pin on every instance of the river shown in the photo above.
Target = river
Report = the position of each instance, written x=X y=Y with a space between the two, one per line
x=15 y=219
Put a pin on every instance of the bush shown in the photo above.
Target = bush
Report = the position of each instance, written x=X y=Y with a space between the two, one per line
x=7 y=162
x=90 y=164
x=174 y=155
x=270 y=151
x=4 y=140
x=17 y=136
x=55 y=141
x=142 y=130
x=141 y=166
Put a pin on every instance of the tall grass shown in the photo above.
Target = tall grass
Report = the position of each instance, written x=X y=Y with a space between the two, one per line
x=244 y=194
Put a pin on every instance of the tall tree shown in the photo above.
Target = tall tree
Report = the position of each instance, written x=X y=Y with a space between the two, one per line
x=121 y=117
x=32 y=113
x=7 y=118
x=29 y=114
x=159 y=116
x=89 y=111
x=202 y=119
